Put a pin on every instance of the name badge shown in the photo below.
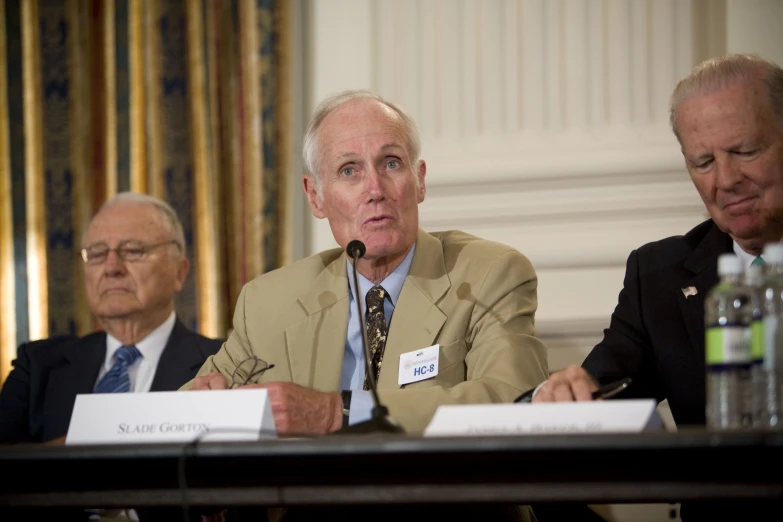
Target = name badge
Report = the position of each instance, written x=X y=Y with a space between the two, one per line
x=418 y=365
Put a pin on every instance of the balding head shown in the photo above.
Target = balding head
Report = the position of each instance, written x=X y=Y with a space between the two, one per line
x=724 y=71
x=311 y=150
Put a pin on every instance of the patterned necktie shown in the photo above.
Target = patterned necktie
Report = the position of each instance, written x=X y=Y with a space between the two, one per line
x=376 y=330
x=116 y=379
x=758 y=261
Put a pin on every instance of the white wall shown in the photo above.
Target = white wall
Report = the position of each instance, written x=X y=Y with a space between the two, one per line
x=755 y=26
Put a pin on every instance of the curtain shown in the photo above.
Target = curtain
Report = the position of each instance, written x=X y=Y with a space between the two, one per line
x=182 y=99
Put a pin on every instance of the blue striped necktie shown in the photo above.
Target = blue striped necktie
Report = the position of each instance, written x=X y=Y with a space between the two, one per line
x=759 y=261
x=116 y=379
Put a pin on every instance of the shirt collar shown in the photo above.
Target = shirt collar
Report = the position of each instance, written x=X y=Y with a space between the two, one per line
x=393 y=282
x=150 y=347
x=746 y=258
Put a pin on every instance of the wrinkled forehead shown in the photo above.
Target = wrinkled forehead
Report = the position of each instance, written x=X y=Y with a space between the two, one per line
x=739 y=98
x=124 y=221
x=360 y=119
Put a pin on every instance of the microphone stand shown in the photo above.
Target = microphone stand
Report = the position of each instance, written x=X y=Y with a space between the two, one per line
x=380 y=421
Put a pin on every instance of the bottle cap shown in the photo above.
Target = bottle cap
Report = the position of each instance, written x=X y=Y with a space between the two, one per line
x=729 y=264
x=773 y=253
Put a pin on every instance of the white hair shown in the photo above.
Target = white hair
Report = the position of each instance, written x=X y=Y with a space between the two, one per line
x=718 y=73
x=311 y=154
x=166 y=211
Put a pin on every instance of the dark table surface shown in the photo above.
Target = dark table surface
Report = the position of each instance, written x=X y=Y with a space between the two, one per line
x=394 y=469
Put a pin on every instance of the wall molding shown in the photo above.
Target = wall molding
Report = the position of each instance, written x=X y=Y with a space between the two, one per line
x=551 y=156
x=522 y=202
x=570 y=328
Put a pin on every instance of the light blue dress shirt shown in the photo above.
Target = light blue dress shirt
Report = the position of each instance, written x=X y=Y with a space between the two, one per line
x=353 y=362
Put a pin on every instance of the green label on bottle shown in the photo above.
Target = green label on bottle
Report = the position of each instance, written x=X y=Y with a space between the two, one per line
x=757 y=341
x=728 y=345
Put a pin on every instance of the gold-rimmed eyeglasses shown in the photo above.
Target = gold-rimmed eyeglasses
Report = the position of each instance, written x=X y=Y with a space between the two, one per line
x=247 y=369
x=129 y=251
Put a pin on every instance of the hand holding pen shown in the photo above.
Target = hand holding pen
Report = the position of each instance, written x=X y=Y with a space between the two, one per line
x=573 y=384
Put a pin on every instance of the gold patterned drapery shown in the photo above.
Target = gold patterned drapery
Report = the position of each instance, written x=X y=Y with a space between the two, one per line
x=182 y=99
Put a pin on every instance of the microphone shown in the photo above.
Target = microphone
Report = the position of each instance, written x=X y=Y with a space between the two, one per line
x=380 y=421
x=355 y=249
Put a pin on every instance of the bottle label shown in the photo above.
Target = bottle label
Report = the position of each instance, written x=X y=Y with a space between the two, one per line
x=757 y=341
x=728 y=345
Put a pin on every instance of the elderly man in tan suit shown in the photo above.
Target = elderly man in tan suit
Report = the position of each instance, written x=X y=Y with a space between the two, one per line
x=474 y=298
x=296 y=329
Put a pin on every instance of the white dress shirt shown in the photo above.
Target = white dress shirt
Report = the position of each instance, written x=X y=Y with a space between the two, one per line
x=141 y=374
x=746 y=258
x=354 y=361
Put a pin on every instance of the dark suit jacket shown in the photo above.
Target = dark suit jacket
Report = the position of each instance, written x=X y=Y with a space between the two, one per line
x=37 y=399
x=656 y=336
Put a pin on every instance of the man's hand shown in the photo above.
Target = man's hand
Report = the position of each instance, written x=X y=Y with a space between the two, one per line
x=210 y=381
x=571 y=384
x=299 y=410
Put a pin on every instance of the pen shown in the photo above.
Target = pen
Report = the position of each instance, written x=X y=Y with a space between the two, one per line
x=613 y=388
x=604 y=392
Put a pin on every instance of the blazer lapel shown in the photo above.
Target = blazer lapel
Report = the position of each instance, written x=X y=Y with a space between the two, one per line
x=83 y=360
x=702 y=264
x=179 y=361
x=316 y=345
x=417 y=320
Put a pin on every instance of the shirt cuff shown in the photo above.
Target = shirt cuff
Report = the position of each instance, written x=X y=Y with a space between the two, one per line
x=361 y=406
x=537 y=388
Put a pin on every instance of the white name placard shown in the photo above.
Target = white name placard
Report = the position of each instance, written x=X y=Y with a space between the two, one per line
x=177 y=416
x=545 y=418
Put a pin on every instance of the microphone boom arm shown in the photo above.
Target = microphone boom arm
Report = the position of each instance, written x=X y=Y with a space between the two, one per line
x=380 y=421
x=369 y=366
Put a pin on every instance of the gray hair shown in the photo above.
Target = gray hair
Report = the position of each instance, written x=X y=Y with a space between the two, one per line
x=167 y=212
x=310 y=152
x=717 y=73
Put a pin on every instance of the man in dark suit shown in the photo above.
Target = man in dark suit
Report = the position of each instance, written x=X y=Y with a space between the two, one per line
x=134 y=265
x=728 y=117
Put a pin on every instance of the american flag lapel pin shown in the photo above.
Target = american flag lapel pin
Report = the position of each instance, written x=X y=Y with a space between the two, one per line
x=691 y=290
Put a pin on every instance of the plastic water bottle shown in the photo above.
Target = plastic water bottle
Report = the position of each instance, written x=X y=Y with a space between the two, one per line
x=727 y=318
x=773 y=334
x=755 y=281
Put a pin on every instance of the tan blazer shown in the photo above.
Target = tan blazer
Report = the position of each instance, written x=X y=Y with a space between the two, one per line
x=475 y=298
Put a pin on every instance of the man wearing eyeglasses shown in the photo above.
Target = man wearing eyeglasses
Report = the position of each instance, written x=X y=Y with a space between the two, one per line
x=134 y=265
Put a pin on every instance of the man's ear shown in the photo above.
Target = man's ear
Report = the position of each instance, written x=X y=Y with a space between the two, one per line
x=313 y=199
x=422 y=172
x=183 y=269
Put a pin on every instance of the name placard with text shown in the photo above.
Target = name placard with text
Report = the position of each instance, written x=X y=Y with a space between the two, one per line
x=177 y=416
x=545 y=418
